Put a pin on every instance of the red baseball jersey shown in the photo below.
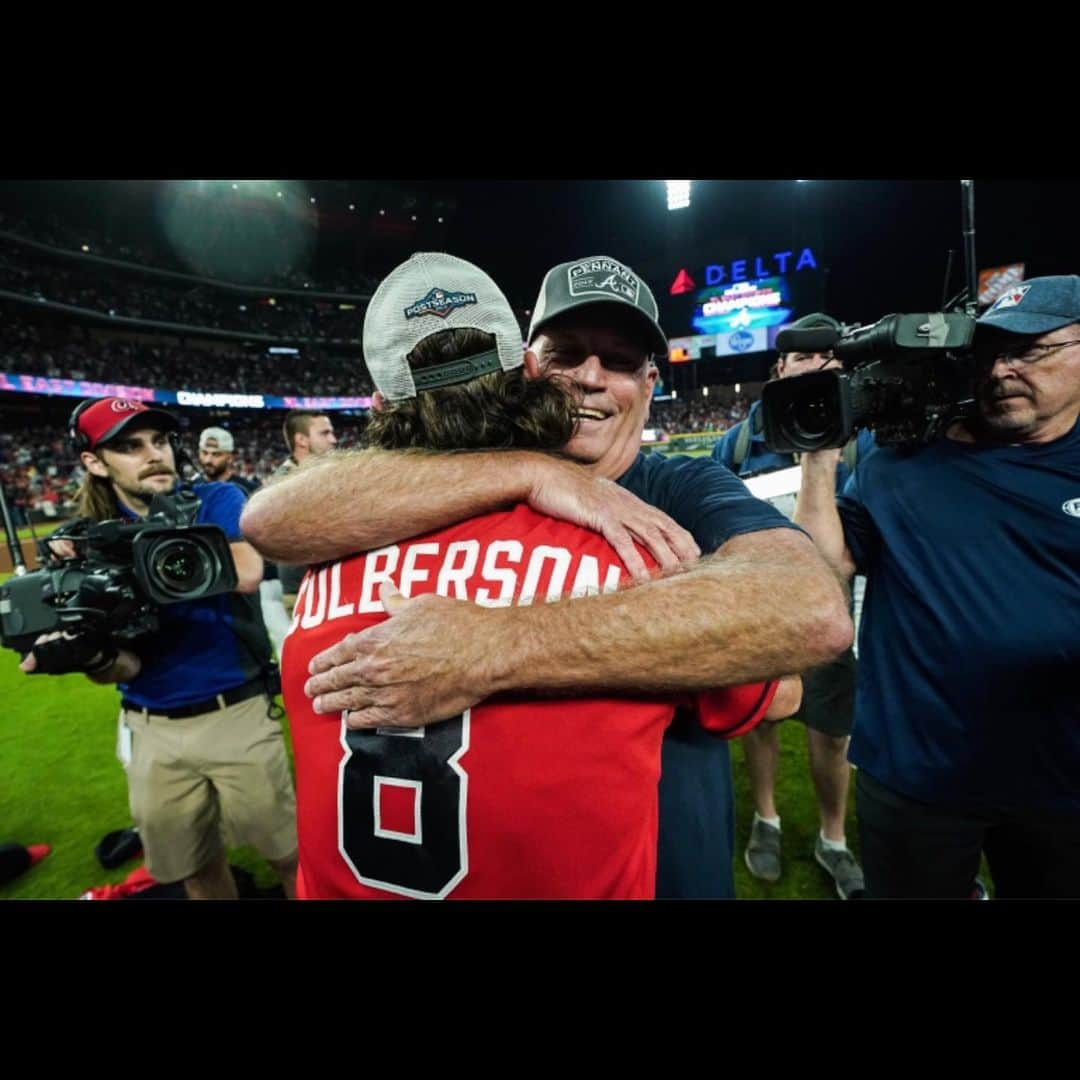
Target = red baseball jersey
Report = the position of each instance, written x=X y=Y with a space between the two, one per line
x=511 y=799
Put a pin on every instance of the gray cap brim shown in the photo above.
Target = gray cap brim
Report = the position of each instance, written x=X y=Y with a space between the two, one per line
x=657 y=342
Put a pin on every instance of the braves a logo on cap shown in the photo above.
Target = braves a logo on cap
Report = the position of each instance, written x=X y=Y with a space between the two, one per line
x=439 y=302
x=603 y=276
x=123 y=405
x=1071 y=507
x=1011 y=298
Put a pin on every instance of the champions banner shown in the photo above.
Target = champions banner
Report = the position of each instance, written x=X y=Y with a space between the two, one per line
x=81 y=388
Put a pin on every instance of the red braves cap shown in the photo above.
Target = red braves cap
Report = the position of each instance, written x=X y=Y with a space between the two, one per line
x=105 y=419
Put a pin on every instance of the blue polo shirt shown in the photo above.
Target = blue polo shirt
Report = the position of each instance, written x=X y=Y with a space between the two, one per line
x=198 y=652
x=760 y=459
x=697 y=802
x=969 y=647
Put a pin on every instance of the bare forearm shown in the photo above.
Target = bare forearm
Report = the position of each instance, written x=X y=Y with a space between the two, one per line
x=343 y=503
x=763 y=607
x=815 y=511
x=249 y=567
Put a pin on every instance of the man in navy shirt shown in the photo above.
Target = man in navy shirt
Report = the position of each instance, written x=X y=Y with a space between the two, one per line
x=967 y=733
x=828 y=706
x=197 y=737
x=595 y=324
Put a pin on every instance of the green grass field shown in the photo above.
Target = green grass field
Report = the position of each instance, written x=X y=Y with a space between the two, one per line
x=63 y=786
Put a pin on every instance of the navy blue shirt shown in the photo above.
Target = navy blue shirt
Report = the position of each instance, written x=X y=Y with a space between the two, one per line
x=197 y=653
x=697 y=802
x=710 y=503
x=760 y=459
x=969 y=647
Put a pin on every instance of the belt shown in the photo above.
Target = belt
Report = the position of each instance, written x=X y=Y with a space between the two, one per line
x=229 y=697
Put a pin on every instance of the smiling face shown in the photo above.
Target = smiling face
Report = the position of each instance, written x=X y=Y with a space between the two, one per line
x=139 y=464
x=604 y=355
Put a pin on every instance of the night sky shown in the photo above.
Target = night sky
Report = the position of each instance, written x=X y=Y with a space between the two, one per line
x=881 y=245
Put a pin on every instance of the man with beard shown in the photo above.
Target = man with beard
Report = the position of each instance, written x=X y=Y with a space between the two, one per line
x=967 y=720
x=217 y=459
x=197 y=736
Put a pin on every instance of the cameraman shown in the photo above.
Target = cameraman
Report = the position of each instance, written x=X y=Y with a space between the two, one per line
x=829 y=691
x=196 y=734
x=968 y=732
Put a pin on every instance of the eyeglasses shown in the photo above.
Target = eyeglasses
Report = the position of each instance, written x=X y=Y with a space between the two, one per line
x=1026 y=354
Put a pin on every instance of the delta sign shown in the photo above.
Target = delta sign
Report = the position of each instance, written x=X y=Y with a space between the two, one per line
x=744 y=295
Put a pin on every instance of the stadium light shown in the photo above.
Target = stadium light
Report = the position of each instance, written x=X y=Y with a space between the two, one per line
x=738 y=388
x=279 y=195
x=440 y=221
x=86 y=247
x=236 y=187
x=704 y=391
x=678 y=194
x=312 y=198
x=352 y=206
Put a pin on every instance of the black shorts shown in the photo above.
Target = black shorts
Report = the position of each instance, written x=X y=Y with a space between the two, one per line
x=828 y=703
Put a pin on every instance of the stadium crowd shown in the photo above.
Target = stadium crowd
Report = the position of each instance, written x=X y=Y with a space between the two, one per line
x=77 y=352
x=680 y=416
x=125 y=294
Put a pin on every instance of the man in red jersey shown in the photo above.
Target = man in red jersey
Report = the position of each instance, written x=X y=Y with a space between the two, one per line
x=510 y=798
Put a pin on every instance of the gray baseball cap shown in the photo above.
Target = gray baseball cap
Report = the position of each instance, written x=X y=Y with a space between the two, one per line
x=599 y=280
x=221 y=439
x=430 y=292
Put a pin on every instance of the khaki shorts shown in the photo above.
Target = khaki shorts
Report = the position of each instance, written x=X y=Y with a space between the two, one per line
x=191 y=778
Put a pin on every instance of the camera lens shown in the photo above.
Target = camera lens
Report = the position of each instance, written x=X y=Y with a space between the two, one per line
x=810 y=420
x=180 y=567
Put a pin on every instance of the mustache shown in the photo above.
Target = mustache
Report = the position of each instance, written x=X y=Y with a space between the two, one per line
x=157 y=470
x=996 y=390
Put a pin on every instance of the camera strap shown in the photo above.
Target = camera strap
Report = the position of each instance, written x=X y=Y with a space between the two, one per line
x=269 y=671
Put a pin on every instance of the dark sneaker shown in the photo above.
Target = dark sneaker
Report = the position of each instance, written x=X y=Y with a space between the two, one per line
x=763 y=852
x=843 y=869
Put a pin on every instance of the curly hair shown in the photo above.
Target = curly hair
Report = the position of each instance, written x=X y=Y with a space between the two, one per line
x=500 y=410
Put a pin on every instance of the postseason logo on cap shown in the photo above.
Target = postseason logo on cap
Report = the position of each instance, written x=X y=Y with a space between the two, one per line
x=439 y=302
x=1010 y=298
x=603 y=276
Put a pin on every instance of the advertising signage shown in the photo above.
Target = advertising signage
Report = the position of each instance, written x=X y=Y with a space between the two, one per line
x=742 y=296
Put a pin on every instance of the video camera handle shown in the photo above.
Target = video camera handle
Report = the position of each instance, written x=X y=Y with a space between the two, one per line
x=14 y=547
x=967 y=199
x=968 y=296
